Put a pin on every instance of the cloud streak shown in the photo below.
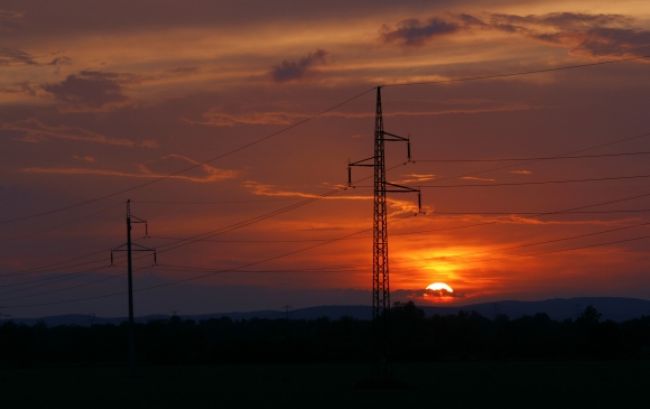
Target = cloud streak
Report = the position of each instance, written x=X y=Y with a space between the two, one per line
x=89 y=89
x=34 y=131
x=399 y=208
x=413 y=32
x=592 y=34
x=217 y=118
x=149 y=170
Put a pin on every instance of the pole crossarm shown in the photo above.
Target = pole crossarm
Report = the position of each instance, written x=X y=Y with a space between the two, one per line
x=363 y=162
x=134 y=247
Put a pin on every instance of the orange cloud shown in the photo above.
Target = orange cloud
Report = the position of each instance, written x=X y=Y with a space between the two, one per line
x=478 y=179
x=149 y=170
x=84 y=158
x=33 y=131
x=524 y=172
x=261 y=189
x=217 y=118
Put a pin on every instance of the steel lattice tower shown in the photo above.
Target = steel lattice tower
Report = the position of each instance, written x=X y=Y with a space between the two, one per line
x=380 y=268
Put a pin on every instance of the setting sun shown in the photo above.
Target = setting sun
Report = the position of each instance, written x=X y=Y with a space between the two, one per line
x=442 y=287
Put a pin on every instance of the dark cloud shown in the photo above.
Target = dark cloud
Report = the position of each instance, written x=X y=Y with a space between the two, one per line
x=594 y=34
x=33 y=130
x=11 y=56
x=91 y=89
x=10 y=15
x=9 y=19
x=616 y=41
x=293 y=70
x=63 y=17
x=424 y=294
x=414 y=32
x=170 y=164
x=561 y=20
x=469 y=20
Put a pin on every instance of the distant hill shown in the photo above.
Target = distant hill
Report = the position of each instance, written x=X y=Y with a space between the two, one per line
x=612 y=308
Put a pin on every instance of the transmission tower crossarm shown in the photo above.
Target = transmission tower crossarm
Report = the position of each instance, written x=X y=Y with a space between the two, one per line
x=401 y=188
x=395 y=138
x=366 y=163
x=363 y=162
x=406 y=189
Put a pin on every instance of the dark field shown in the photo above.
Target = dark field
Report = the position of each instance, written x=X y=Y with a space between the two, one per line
x=461 y=361
x=436 y=385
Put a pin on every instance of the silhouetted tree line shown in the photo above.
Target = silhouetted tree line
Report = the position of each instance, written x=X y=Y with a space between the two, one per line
x=413 y=337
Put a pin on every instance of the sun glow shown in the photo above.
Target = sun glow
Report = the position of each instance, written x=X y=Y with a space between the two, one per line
x=440 y=287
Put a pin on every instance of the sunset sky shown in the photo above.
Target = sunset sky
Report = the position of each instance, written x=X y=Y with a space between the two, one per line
x=98 y=97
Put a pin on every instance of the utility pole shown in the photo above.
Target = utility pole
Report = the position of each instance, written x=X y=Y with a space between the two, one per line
x=380 y=269
x=129 y=248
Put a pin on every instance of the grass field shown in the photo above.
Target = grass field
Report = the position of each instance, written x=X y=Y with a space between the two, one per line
x=426 y=385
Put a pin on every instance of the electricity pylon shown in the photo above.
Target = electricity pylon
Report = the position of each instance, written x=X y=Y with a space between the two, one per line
x=380 y=270
x=128 y=247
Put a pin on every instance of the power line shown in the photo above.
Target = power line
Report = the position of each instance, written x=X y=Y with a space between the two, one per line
x=188 y=268
x=188 y=168
x=532 y=213
x=316 y=245
x=262 y=217
x=189 y=279
x=351 y=236
x=551 y=251
x=198 y=237
x=64 y=277
x=602 y=244
x=47 y=279
x=62 y=264
x=576 y=237
x=330 y=269
x=59 y=226
x=570 y=153
x=541 y=182
x=517 y=73
x=303 y=121
x=72 y=287
x=451 y=213
x=239 y=240
x=468 y=79
x=537 y=158
x=540 y=214
x=307 y=201
x=208 y=202
x=39 y=284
